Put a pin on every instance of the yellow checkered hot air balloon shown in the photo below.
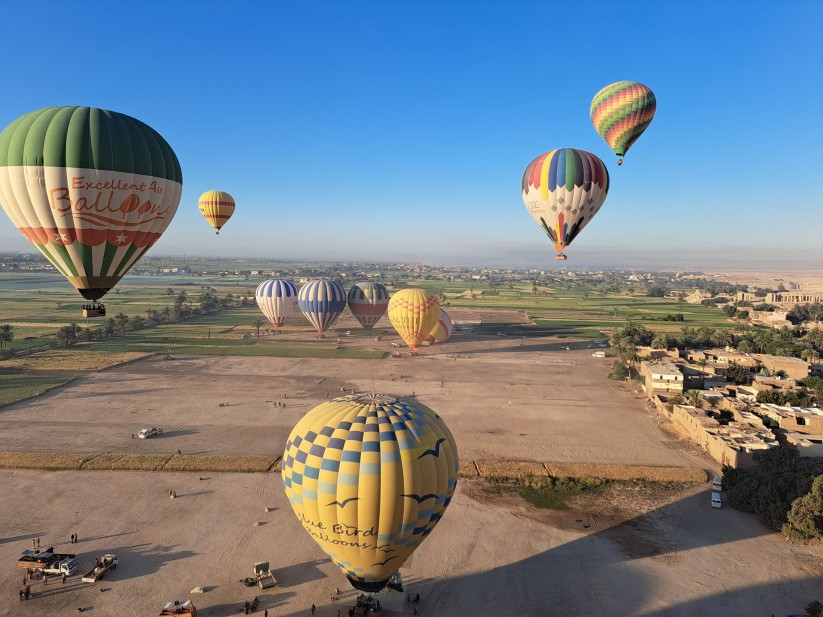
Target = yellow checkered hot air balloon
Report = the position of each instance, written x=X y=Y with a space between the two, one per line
x=413 y=312
x=369 y=476
x=216 y=207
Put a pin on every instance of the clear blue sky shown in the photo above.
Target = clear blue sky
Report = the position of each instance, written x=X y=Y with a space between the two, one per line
x=399 y=131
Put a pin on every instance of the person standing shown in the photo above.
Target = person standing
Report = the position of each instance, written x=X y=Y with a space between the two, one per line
x=313 y=608
x=45 y=580
x=64 y=578
x=38 y=541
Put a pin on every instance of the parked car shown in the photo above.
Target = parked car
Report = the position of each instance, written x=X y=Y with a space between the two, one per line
x=716 y=503
x=145 y=433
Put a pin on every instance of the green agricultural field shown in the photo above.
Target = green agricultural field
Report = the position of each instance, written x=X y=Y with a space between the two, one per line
x=38 y=313
x=17 y=386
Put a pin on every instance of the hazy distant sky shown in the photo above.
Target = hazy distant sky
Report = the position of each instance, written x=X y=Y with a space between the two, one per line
x=399 y=131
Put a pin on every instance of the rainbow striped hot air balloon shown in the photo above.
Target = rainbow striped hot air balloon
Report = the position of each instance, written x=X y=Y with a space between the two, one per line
x=413 y=312
x=92 y=189
x=368 y=303
x=563 y=189
x=277 y=299
x=369 y=476
x=322 y=301
x=442 y=329
x=216 y=207
x=621 y=112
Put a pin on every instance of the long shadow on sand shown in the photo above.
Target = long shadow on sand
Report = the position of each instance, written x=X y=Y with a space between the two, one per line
x=300 y=573
x=141 y=560
x=25 y=536
x=607 y=572
x=266 y=601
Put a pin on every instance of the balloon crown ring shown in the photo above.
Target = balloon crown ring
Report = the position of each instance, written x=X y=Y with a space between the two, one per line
x=369 y=398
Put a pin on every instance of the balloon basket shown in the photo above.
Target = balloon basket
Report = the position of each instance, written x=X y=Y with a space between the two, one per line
x=95 y=309
x=619 y=162
x=560 y=257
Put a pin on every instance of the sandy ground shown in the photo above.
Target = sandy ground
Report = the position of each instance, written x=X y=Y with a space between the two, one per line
x=683 y=558
x=503 y=398
x=679 y=557
x=808 y=280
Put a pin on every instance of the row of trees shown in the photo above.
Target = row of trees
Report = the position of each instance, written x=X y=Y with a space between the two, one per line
x=208 y=302
x=784 y=489
x=795 y=342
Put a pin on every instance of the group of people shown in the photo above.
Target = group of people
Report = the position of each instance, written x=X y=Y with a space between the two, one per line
x=365 y=605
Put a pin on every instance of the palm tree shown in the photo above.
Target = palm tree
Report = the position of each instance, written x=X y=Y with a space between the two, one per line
x=259 y=323
x=122 y=321
x=694 y=398
x=6 y=334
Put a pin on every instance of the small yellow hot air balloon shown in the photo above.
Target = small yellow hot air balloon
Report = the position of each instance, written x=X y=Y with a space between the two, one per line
x=369 y=476
x=413 y=312
x=216 y=207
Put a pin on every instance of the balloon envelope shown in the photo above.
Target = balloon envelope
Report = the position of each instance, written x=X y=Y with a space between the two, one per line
x=216 y=207
x=442 y=329
x=92 y=189
x=368 y=303
x=563 y=189
x=621 y=112
x=277 y=299
x=322 y=301
x=413 y=312
x=369 y=476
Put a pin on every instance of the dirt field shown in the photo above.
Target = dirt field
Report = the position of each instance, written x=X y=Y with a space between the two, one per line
x=504 y=398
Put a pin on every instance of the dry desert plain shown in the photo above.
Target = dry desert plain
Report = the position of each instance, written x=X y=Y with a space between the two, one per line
x=505 y=398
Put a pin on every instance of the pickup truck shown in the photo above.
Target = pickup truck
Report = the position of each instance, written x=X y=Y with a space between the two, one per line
x=41 y=559
x=105 y=564
x=66 y=566
x=145 y=433
x=179 y=608
x=263 y=575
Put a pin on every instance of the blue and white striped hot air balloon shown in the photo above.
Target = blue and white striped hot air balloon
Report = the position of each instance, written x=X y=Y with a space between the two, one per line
x=277 y=299
x=322 y=301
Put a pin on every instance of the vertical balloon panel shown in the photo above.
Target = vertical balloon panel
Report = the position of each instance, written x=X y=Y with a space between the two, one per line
x=369 y=476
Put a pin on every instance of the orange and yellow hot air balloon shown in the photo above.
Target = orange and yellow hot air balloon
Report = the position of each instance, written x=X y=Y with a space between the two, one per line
x=413 y=312
x=216 y=207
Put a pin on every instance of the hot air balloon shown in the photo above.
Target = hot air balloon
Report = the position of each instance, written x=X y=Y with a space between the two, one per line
x=322 y=301
x=442 y=329
x=563 y=189
x=368 y=303
x=621 y=112
x=216 y=207
x=369 y=476
x=413 y=312
x=92 y=189
x=277 y=299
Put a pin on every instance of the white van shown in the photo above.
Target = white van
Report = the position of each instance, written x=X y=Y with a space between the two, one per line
x=716 y=503
x=717 y=484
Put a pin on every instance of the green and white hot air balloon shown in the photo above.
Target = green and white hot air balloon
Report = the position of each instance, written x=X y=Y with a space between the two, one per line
x=92 y=189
